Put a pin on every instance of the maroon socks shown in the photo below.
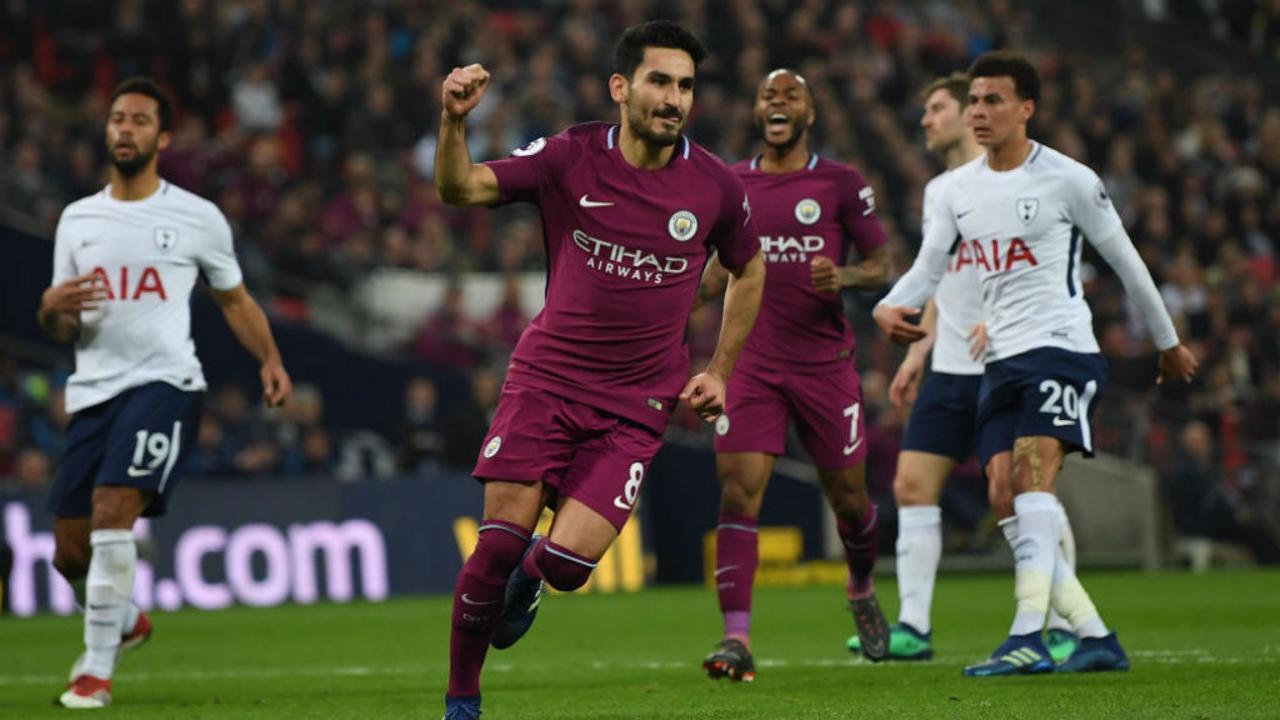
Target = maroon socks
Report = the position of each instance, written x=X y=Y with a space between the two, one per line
x=737 y=555
x=860 y=543
x=477 y=601
x=560 y=567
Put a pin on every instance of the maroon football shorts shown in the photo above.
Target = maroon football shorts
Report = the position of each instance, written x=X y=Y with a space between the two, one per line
x=583 y=453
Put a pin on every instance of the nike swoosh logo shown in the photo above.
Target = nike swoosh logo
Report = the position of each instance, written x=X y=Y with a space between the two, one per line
x=725 y=569
x=469 y=601
x=1059 y=422
x=584 y=202
x=849 y=449
x=139 y=472
x=962 y=214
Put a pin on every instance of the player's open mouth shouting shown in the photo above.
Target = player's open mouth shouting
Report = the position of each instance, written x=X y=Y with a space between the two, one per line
x=783 y=111
x=780 y=128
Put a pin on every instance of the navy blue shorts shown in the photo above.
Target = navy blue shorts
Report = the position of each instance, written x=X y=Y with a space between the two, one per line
x=1046 y=391
x=944 y=418
x=136 y=439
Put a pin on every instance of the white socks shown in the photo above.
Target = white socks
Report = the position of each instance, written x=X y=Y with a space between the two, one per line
x=1071 y=599
x=108 y=592
x=919 y=549
x=130 y=613
x=1035 y=552
x=1050 y=562
x=1067 y=543
x=1051 y=545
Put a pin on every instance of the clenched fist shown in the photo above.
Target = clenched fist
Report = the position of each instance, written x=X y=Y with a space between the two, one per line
x=463 y=89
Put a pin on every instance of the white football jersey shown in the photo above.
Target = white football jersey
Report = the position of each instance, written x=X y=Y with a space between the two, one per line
x=1022 y=230
x=959 y=303
x=148 y=253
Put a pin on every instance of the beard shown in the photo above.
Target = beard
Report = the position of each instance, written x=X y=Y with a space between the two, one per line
x=640 y=127
x=134 y=165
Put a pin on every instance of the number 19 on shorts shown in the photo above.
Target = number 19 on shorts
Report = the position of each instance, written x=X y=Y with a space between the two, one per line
x=153 y=449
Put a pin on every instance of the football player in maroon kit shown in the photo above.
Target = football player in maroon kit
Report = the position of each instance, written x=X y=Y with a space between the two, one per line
x=630 y=211
x=797 y=364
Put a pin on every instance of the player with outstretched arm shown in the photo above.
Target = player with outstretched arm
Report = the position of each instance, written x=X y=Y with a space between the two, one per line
x=630 y=213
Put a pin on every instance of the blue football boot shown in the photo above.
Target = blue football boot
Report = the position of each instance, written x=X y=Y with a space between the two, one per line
x=523 y=597
x=461 y=708
x=1102 y=654
x=1019 y=655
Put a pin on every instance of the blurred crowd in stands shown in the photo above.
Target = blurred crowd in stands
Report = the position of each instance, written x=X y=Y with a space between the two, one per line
x=239 y=439
x=312 y=124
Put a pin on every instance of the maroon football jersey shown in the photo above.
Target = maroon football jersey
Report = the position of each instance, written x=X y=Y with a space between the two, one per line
x=820 y=210
x=625 y=253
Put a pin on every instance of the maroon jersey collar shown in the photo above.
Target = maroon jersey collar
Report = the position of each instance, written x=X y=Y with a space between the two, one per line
x=813 y=161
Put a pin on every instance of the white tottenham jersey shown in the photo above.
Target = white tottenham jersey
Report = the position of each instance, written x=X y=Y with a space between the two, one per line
x=1022 y=230
x=959 y=303
x=148 y=254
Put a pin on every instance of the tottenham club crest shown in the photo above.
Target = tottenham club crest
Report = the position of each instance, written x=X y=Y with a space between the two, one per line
x=808 y=211
x=683 y=225
x=165 y=238
x=493 y=447
x=1028 y=208
x=1101 y=197
x=532 y=148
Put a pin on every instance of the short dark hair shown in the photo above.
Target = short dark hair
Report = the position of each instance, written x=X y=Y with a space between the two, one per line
x=1006 y=63
x=146 y=86
x=629 y=52
x=957 y=84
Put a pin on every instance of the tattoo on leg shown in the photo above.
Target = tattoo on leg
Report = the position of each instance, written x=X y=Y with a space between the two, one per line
x=1024 y=449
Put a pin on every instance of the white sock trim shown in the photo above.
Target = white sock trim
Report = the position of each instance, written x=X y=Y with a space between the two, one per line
x=913 y=516
x=1026 y=502
x=100 y=537
x=1009 y=528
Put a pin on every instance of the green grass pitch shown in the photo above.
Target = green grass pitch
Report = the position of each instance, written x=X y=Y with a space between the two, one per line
x=1202 y=647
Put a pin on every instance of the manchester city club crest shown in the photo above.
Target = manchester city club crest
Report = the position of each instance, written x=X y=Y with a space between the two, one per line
x=1028 y=208
x=722 y=425
x=683 y=225
x=165 y=238
x=493 y=447
x=808 y=211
